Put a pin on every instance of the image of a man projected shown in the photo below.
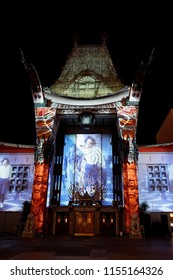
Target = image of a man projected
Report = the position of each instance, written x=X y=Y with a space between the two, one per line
x=85 y=172
x=5 y=174
x=91 y=165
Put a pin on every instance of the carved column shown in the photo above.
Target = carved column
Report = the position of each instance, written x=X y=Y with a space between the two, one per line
x=130 y=183
x=43 y=155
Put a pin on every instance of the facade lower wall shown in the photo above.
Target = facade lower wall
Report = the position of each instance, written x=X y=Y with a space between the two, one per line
x=9 y=222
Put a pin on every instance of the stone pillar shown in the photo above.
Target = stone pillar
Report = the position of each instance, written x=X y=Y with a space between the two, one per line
x=117 y=223
x=54 y=221
x=97 y=221
x=131 y=197
x=130 y=182
x=71 y=220
x=40 y=186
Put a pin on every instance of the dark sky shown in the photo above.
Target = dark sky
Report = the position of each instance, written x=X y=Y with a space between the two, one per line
x=46 y=39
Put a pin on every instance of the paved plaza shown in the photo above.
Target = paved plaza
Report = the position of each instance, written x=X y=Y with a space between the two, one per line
x=85 y=248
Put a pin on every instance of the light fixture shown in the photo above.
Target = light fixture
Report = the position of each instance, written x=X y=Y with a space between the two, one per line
x=59 y=219
x=86 y=120
x=103 y=219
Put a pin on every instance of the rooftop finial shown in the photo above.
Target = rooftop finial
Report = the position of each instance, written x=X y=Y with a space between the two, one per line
x=75 y=39
x=104 y=37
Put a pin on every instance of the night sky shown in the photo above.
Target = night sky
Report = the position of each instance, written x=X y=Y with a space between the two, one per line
x=46 y=39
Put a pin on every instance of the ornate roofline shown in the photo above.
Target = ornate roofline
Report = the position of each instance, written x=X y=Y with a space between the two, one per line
x=117 y=97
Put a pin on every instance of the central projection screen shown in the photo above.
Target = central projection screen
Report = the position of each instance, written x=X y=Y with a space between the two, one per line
x=87 y=168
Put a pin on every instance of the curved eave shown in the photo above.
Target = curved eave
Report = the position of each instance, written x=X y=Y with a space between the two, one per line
x=117 y=97
x=166 y=147
x=16 y=148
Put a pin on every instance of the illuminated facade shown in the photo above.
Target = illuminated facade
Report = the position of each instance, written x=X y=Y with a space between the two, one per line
x=89 y=110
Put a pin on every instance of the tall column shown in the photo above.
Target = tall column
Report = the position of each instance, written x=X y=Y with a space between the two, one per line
x=130 y=183
x=43 y=155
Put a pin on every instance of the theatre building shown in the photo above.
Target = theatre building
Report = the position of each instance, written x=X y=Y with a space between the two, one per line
x=84 y=176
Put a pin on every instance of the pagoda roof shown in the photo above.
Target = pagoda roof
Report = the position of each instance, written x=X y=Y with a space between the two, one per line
x=88 y=73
